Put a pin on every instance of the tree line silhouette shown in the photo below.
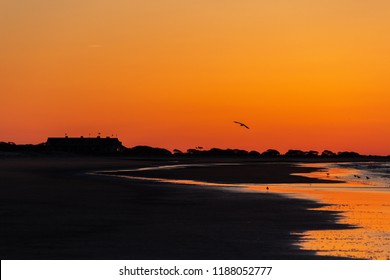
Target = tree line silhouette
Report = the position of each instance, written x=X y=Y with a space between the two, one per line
x=147 y=151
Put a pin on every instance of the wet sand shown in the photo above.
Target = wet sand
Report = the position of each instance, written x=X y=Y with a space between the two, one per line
x=369 y=211
x=225 y=172
x=364 y=201
x=50 y=209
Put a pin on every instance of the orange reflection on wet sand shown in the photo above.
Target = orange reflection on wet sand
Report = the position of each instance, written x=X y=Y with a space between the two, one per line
x=364 y=205
x=370 y=213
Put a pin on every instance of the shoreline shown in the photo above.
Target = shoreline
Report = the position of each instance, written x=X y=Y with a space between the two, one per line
x=51 y=209
x=232 y=173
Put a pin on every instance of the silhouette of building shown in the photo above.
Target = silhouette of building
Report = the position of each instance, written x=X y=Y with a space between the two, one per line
x=84 y=145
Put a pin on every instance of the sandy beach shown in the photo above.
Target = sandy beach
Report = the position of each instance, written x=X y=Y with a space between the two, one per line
x=237 y=171
x=51 y=209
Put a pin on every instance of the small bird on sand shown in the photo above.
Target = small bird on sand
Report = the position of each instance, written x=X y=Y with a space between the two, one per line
x=242 y=124
x=368 y=178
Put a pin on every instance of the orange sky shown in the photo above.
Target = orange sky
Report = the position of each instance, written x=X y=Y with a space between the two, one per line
x=304 y=74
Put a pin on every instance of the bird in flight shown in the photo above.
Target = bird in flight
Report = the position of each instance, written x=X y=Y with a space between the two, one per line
x=242 y=124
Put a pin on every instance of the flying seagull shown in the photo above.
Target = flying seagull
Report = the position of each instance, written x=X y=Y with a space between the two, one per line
x=241 y=124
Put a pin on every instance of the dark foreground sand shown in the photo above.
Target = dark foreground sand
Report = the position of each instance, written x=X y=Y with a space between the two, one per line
x=49 y=209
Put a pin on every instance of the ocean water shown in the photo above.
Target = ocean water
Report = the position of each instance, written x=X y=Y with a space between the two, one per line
x=378 y=173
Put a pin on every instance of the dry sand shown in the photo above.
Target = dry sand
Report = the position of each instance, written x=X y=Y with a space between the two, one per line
x=50 y=209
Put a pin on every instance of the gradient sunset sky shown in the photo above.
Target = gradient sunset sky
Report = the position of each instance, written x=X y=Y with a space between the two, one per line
x=302 y=74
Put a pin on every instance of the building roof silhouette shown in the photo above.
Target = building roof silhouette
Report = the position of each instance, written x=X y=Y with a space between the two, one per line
x=84 y=144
